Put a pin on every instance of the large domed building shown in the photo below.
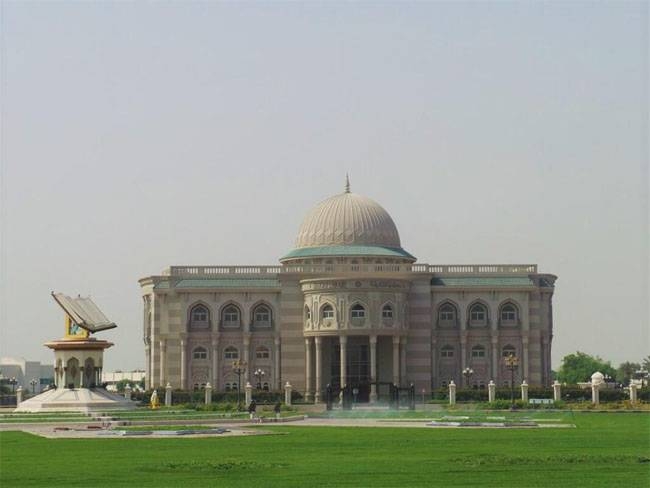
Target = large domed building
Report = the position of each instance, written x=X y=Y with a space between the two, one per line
x=347 y=306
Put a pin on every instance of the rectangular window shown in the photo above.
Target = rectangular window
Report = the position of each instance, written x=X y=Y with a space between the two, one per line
x=358 y=314
x=387 y=313
x=328 y=314
x=478 y=353
x=447 y=353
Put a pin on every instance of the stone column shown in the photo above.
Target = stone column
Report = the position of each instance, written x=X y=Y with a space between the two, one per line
x=127 y=391
x=183 y=363
x=318 y=345
x=557 y=391
x=344 y=360
x=215 y=362
x=524 y=370
x=495 y=358
x=463 y=351
x=208 y=393
x=632 y=390
x=148 y=383
x=396 y=360
x=434 y=361
x=373 y=368
x=168 y=395
x=152 y=367
x=19 y=395
x=403 y=360
x=524 y=392
x=308 y=395
x=163 y=357
x=249 y=393
x=276 y=365
x=287 y=394
x=82 y=373
x=452 y=393
x=247 y=344
x=491 y=391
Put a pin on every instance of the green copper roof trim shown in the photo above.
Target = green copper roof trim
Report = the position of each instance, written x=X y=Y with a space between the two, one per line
x=222 y=283
x=483 y=281
x=308 y=252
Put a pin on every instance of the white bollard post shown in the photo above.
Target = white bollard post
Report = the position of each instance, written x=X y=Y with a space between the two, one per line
x=168 y=395
x=452 y=393
x=287 y=394
x=596 y=380
x=249 y=393
x=491 y=391
x=595 y=394
x=19 y=395
x=208 y=393
x=632 y=390
x=557 y=391
x=524 y=392
x=127 y=391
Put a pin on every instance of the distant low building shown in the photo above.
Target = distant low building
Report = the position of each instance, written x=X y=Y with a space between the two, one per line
x=25 y=372
x=111 y=379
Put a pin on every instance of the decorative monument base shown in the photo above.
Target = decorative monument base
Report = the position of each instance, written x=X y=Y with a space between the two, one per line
x=85 y=400
x=78 y=363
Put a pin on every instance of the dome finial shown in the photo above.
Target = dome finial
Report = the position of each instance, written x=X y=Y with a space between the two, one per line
x=347 y=183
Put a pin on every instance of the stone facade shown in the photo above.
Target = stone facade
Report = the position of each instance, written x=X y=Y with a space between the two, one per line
x=347 y=306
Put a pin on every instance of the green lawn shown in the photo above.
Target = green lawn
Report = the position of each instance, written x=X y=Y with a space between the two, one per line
x=605 y=449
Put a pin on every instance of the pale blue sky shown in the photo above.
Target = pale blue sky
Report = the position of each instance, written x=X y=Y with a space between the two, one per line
x=140 y=135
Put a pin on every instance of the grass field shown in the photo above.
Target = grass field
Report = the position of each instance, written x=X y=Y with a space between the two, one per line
x=605 y=449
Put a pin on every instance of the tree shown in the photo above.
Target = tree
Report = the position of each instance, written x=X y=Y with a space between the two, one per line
x=646 y=363
x=578 y=368
x=625 y=372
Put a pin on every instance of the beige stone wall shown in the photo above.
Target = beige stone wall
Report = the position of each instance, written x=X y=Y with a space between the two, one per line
x=169 y=345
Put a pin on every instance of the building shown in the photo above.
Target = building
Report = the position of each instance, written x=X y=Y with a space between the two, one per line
x=31 y=375
x=348 y=305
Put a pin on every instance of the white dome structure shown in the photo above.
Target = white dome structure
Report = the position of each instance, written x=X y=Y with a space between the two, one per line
x=348 y=224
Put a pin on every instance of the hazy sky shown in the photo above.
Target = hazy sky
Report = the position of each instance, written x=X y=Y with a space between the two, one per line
x=140 y=135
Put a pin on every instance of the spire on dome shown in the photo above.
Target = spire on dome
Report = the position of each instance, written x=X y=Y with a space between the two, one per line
x=347 y=183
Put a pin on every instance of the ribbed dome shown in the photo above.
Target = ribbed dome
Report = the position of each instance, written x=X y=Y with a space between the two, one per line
x=348 y=219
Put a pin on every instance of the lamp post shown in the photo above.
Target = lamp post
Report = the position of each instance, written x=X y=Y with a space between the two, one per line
x=239 y=367
x=259 y=376
x=33 y=382
x=467 y=373
x=512 y=363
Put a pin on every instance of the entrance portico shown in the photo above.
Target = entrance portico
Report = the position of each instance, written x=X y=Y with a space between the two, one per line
x=360 y=361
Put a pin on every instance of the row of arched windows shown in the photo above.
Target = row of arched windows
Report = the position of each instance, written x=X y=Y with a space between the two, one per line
x=477 y=314
x=231 y=352
x=447 y=351
x=230 y=316
x=357 y=311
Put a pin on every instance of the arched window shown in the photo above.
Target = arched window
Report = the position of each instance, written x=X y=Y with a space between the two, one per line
x=508 y=350
x=262 y=316
x=230 y=316
x=262 y=352
x=265 y=387
x=358 y=312
x=509 y=313
x=478 y=352
x=478 y=314
x=200 y=353
x=231 y=352
x=199 y=317
x=447 y=313
x=447 y=351
x=307 y=313
x=387 y=312
x=328 y=312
